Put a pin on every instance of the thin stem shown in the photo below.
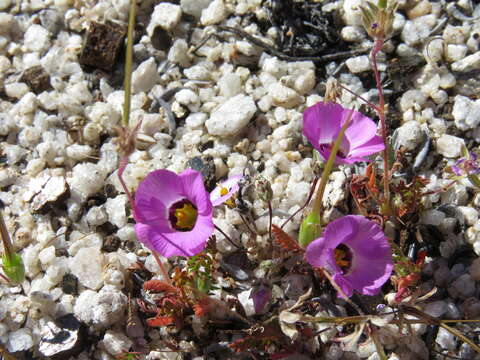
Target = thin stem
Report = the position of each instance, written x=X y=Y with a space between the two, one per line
x=7 y=244
x=341 y=292
x=369 y=103
x=162 y=267
x=443 y=188
x=227 y=237
x=310 y=195
x=121 y=169
x=128 y=63
x=270 y=217
x=247 y=225
x=381 y=114
x=317 y=205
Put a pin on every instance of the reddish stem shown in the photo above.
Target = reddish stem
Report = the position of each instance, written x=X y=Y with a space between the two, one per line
x=162 y=267
x=381 y=114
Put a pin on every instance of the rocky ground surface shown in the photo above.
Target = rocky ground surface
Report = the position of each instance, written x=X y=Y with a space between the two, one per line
x=221 y=86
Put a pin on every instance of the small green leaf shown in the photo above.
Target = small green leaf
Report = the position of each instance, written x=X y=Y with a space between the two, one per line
x=382 y=4
x=464 y=152
x=203 y=284
x=309 y=229
x=13 y=268
x=474 y=180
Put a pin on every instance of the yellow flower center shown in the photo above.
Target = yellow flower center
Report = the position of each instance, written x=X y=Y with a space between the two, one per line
x=223 y=191
x=185 y=217
x=343 y=257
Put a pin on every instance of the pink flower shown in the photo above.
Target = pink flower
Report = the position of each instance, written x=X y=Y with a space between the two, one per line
x=322 y=123
x=356 y=252
x=173 y=213
x=225 y=190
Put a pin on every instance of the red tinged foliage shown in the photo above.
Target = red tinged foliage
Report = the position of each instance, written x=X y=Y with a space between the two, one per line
x=284 y=240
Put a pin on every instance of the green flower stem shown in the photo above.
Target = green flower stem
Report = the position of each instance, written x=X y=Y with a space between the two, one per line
x=311 y=225
x=12 y=263
x=7 y=244
x=128 y=63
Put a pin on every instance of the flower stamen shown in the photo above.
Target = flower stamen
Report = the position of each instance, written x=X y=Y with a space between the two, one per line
x=183 y=215
x=343 y=257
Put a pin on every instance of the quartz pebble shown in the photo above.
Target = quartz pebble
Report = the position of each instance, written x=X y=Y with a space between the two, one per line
x=214 y=13
x=87 y=266
x=116 y=343
x=232 y=116
x=446 y=339
x=194 y=7
x=409 y=135
x=450 y=146
x=165 y=15
x=19 y=340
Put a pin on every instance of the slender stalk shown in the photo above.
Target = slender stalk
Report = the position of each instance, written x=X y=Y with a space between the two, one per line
x=369 y=103
x=162 y=267
x=381 y=114
x=270 y=218
x=310 y=195
x=7 y=243
x=128 y=63
x=227 y=237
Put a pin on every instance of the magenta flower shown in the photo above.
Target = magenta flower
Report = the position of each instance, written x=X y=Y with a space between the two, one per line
x=468 y=165
x=322 y=123
x=173 y=213
x=225 y=190
x=356 y=252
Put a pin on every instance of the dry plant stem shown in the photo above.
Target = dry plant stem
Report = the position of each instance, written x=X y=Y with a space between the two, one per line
x=444 y=188
x=310 y=195
x=340 y=291
x=270 y=218
x=227 y=237
x=247 y=225
x=381 y=114
x=7 y=244
x=372 y=105
x=121 y=168
x=378 y=345
x=162 y=267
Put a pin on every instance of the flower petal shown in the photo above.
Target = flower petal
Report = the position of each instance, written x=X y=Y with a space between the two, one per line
x=194 y=189
x=372 y=146
x=154 y=196
x=322 y=122
x=231 y=184
x=360 y=130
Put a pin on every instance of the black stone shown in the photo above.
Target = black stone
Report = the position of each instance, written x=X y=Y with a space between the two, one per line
x=61 y=338
x=102 y=45
x=111 y=243
x=69 y=284
x=206 y=167
x=161 y=39
x=37 y=79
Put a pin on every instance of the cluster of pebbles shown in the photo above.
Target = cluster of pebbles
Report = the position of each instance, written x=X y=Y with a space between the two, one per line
x=217 y=101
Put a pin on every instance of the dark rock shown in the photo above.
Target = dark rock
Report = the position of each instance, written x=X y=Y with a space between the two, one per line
x=206 y=167
x=69 y=284
x=61 y=338
x=161 y=39
x=37 y=79
x=102 y=45
x=111 y=243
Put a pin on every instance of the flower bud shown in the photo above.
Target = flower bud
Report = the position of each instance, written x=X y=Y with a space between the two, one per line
x=309 y=229
x=378 y=19
x=264 y=189
x=13 y=268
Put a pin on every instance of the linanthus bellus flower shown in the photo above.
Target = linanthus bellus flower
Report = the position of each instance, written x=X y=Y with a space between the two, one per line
x=355 y=251
x=225 y=190
x=322 y=123
x=173 y=213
